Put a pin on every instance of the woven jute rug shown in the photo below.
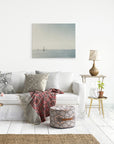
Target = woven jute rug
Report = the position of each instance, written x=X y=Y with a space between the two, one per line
x=48 y=139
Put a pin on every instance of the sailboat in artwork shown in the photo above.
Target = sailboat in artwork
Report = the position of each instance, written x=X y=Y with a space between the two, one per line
x=44 y=49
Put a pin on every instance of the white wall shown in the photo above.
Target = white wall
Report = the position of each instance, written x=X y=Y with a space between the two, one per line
x=94 y=30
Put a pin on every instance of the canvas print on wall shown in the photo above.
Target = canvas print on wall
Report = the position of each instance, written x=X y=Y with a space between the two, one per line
x=53 y=40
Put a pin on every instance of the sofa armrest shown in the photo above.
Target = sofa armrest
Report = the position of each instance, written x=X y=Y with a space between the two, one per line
x=80 y=89
x=77 y=88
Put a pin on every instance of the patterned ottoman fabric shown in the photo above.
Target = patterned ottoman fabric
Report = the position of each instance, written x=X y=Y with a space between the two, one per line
x=62 y=116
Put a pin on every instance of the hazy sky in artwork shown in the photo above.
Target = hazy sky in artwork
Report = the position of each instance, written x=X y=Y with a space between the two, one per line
x=53 y=36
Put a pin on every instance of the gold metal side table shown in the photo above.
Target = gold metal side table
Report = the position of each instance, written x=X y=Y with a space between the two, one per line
x=100 y=106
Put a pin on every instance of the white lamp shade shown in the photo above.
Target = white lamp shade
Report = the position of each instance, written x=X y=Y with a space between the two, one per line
x=93 y=55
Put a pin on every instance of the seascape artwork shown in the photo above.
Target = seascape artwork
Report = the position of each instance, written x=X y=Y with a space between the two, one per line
x=53 y=41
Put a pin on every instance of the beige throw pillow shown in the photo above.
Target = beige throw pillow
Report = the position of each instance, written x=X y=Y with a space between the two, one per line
x=35 y=82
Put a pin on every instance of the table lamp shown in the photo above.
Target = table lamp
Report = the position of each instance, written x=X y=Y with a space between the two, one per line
x=93 y=56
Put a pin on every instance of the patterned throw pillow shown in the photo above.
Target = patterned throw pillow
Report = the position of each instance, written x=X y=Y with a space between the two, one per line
x=5 y=83
x=35 y=82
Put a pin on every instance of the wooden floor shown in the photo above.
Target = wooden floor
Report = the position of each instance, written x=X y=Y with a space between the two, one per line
x=102 y=129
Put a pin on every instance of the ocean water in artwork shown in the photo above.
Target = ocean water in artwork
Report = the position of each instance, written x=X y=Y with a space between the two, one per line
x=53 y=53
x=53 y=41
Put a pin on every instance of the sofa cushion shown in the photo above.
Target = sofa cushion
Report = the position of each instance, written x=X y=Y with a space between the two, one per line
x=67 y=98
x=10 y=99
x=35 y=82
x=52 y=79
x=65 y=81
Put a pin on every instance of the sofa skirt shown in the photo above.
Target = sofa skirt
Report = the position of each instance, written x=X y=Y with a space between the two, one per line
x=12 y=112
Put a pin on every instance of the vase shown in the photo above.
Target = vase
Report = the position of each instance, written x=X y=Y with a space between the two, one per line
x=101 y=94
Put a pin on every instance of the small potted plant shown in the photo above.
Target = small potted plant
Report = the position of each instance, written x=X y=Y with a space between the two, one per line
x=100 y=87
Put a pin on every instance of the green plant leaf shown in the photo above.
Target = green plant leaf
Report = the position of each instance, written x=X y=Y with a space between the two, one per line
x=100 y=85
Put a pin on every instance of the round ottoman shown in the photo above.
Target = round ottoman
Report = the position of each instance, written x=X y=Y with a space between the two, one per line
x=62 y=116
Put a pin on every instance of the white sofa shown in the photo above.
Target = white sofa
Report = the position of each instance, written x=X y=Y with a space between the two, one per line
x=74 y=93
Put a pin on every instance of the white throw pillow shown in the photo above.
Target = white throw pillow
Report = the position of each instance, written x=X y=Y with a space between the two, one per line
x=17 y=80
x=52 y=79
x=65 y=81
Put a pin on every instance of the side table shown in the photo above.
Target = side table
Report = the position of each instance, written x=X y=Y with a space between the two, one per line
x=84 y=78
x=100 y=106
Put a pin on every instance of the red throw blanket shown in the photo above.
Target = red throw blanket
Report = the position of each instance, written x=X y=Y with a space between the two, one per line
x=42 y=101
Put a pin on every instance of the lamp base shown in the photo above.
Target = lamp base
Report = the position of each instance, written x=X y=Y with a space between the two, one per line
x=93 y=71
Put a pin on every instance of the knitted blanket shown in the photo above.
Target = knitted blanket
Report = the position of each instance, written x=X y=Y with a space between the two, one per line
x=37 y=104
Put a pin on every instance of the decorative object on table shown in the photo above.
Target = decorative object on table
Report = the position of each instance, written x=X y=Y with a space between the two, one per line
x=53 y=40
x=100 y=87
x=93 y=92
x=48 y=139
x=100 y=106
x=1 y=104
x=62 y=116
x=5 y=83
x=94 y=57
